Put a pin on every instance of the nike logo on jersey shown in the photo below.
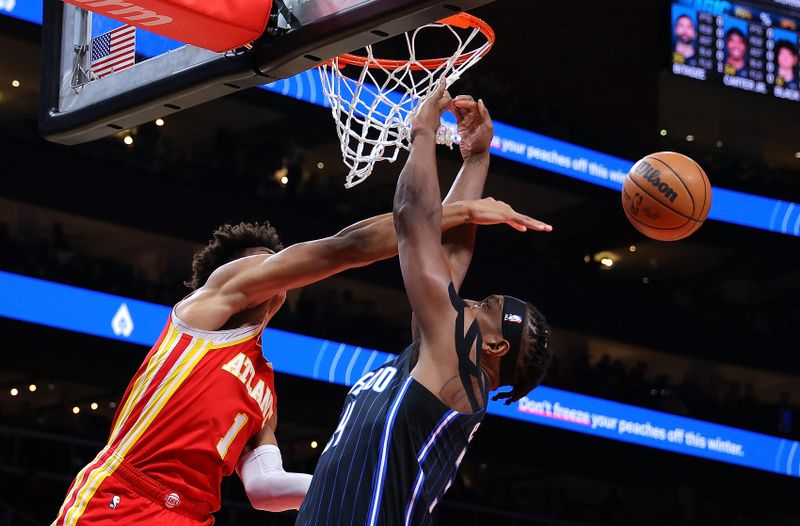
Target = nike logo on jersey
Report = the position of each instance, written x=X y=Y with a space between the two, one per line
x=242 y=368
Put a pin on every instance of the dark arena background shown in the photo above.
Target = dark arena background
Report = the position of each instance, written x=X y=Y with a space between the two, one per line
x=673 y=397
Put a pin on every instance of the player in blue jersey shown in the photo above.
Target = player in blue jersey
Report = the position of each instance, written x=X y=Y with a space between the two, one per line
x=406 y=426
x=685 y=35
x=736 y=53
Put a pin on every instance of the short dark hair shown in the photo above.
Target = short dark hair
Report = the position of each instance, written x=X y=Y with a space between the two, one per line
x=227 y=243
x=535 y=355
x=734 y=31
x=684 y=16
x=787 y=45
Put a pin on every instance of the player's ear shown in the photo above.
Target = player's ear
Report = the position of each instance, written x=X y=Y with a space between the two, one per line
x=498 y=348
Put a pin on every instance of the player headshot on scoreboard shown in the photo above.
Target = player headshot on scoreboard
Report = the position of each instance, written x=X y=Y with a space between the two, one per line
x=736 y=51
x=684 y=35
x=786 y=59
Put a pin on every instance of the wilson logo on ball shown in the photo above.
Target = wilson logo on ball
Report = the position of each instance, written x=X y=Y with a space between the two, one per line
x=653 y=176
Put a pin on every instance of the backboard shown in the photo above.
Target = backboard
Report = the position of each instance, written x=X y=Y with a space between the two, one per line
x=165 y=76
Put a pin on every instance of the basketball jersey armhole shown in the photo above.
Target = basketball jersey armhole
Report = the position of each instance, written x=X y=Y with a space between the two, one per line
x=410 y=361
x=443 y=406
x=221 y=337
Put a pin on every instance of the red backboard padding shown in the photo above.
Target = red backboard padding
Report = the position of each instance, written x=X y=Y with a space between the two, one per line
x=218 y=25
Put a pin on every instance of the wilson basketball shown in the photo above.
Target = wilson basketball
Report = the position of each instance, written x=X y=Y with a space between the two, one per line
x=666 y=196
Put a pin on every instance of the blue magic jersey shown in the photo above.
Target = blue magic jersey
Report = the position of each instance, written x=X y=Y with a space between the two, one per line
x=393 y=455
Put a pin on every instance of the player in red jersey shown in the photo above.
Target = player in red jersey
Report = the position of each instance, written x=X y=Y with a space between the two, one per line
x=203 y=402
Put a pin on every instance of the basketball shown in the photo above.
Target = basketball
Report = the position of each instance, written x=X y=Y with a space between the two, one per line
x=403 y=183
x=666 y=196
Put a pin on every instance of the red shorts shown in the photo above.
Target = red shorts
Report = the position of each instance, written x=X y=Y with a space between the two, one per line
x=126 y=496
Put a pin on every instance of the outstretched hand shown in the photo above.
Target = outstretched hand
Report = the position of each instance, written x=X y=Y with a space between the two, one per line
x=474 y=126
x=489 y=211
x=428 y=117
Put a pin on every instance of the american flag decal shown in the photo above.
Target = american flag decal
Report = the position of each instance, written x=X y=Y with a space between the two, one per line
x=113 y=51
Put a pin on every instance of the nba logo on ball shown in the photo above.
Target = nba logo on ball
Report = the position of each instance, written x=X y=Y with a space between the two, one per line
x=666 y=196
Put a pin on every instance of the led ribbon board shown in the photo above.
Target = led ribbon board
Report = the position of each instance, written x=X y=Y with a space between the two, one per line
x=98 y=314
x=532 y=149
x=510 y=142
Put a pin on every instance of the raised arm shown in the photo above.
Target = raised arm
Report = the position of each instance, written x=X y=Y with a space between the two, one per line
x=252 y=281
x=417 y=211
x=475 y=130
x=449 y=338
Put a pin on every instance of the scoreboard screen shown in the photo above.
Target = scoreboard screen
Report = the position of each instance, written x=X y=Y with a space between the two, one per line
x=747 y=46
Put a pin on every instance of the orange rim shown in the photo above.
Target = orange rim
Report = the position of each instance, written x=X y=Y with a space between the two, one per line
x=462 y=20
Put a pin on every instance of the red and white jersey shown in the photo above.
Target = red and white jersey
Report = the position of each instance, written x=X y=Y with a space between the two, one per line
x=197 y=399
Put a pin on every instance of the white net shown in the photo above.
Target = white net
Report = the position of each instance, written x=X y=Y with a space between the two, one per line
x=373 y=100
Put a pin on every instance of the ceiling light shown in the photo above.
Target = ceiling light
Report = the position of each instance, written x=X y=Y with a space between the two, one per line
x=720 y=144
x=587 y=258
x=689 y=138
x=14 y=391
x=797 y=155
x=663 y=133
x=159 y=122
x=128 y=140
x=284 y=180
x=15 y=83
x=94 y=406
x=632 y=248
x=314 y=444
x=645 y=280
x=32 y=388
x=112 y=405
x=320 y=165
x=607 y=262
x=76 y=410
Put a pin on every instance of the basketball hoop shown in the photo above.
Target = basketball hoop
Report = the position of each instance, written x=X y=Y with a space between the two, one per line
x=373 y=108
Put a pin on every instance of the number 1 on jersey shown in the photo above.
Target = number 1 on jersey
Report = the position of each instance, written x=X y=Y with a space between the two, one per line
x=225 y=442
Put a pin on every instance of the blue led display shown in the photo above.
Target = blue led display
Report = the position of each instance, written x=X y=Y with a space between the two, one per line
x=27 y=10
x=65 y=307
x=511 y=143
